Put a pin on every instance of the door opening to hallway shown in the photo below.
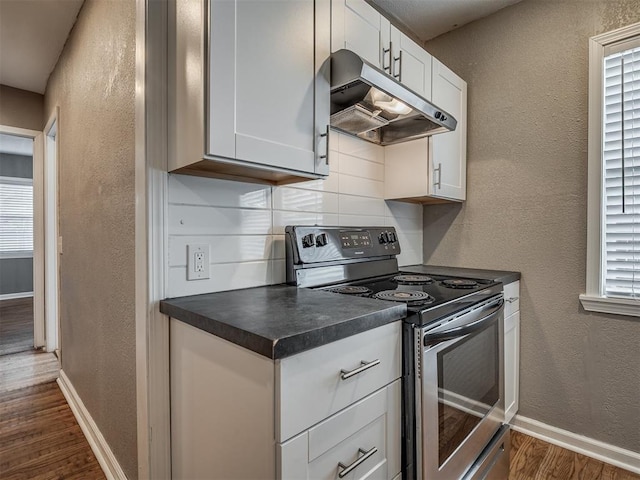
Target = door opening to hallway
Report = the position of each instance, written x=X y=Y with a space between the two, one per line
x=16 y=244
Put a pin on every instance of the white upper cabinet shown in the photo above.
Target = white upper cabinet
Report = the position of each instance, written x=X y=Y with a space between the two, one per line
x=410 y=64
x=448 y=155
x=266 y=89
x=357 y=26
x=433 y=169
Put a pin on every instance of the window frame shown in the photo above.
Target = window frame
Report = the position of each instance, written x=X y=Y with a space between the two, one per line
x=18 y=181
x=594 y=300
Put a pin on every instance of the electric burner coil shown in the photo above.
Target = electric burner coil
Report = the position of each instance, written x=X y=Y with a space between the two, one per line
x=460 y=283
x=412 y=279
x=412 y=297
x=354 y=290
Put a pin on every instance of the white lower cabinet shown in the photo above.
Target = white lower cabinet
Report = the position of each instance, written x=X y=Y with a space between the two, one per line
x=362 y=441
x=236 y=414
x=511 y=349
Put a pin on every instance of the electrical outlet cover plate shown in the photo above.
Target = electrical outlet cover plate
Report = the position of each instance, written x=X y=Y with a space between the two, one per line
x=198 y=261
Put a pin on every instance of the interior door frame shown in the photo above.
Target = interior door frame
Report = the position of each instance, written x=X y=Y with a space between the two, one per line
x=51 y=247
x=151 y=184
x=38 y=228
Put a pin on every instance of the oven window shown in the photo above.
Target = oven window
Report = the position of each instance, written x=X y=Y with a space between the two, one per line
x=468 y=387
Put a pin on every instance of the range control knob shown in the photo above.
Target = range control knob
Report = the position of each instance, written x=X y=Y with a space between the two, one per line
x=308 y=241
x=321 y=240
x=382 y=238
x=392 y=237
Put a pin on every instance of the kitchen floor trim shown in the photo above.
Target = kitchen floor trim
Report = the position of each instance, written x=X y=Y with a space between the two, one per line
x=619 y=457
x=98 y=444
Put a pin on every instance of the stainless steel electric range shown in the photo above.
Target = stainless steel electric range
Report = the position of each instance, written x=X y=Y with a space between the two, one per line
x=453 y=336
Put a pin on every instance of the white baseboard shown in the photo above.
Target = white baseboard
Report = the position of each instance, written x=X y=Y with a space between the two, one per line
x=98 y=444
x=12 y=296
x=625 y=459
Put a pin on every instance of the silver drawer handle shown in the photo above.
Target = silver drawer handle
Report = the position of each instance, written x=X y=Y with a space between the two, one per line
x=511 y=299
x=384 y=52
x=439 y=170
x=325 y=135
x=346 y=470
x=365 y=366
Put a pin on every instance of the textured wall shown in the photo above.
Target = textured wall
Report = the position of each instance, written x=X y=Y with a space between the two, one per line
x=93 y=83
x=527 y=70
x=22 y=109
x=244 y=223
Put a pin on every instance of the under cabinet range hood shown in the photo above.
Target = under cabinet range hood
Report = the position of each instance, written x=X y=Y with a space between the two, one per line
x=370 y=104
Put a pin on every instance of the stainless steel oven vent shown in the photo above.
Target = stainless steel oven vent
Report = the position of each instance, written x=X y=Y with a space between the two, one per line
x=370 y=104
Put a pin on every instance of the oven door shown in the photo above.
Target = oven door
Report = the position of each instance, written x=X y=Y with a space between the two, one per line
x=461 y=389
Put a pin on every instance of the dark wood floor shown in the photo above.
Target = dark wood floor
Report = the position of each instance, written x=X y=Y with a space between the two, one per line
x=16 y=325
x=40 y=438
x=533 y=459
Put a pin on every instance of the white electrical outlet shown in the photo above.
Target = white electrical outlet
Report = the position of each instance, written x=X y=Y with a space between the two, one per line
x=197 y=261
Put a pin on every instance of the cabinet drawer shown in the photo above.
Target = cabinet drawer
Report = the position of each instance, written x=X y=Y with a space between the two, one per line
x=511 y=298
x=366 y=434
x=314 y=385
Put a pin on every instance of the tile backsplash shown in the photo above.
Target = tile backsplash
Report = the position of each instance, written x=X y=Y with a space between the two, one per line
x=244 y=223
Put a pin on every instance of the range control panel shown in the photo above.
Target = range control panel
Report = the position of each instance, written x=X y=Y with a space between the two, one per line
x=355 y=239
x=322 y=244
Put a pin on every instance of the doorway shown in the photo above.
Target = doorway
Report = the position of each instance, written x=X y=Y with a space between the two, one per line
x=23 y=361
x=29 y=238
x=16 y=244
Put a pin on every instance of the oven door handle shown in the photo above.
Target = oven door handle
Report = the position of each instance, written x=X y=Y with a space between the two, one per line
x=431 y=339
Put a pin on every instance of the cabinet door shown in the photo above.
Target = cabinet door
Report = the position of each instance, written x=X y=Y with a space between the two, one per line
x=511 y=364
x=411 y=64
x=448 y=151
x=358 y=27
x=263 y=81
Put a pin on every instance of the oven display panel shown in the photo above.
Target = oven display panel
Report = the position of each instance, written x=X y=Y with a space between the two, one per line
x=355 y=239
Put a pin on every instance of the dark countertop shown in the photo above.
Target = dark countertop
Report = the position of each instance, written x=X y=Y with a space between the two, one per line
x=497 y=275
x=281 y=320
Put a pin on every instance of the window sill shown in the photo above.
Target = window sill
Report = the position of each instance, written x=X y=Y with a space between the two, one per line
x=617 y=306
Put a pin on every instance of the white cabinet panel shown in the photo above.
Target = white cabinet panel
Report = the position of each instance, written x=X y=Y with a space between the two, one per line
x=262 y=81
x=357 y=26
x=511 y=349
x=511 y=365
x=212 y=380
x=406 y=170
x=262 y=68
x=448 y=153
x=511 y=298
x=411 y=63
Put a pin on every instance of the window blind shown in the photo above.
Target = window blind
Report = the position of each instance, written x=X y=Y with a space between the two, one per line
x=621 y=175
x=16 y=216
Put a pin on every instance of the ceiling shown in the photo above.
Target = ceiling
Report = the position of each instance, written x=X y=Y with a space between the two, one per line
x=427 y=19
x=32 y=34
